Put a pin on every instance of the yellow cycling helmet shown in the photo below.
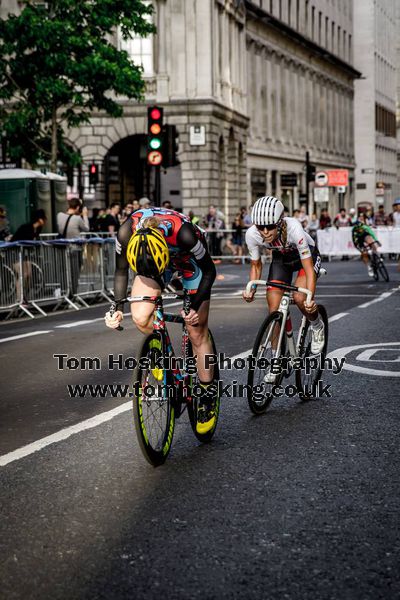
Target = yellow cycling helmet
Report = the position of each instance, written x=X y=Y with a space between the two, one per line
x=147 y=252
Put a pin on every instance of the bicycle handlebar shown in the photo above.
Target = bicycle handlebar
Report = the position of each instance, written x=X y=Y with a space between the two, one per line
x=282 y=286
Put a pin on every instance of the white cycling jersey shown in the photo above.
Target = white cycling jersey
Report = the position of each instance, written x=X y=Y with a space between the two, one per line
x=297 y=240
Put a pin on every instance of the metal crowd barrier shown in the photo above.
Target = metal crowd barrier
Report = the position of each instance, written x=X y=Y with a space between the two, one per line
x=40 y=276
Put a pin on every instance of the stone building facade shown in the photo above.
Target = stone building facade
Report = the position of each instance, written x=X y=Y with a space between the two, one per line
x=375 y=101
x=264 y=80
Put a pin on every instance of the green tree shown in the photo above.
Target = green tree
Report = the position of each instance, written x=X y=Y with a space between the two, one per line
x=58 y=64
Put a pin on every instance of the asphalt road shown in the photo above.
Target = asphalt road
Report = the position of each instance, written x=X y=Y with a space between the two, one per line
x=299 y=503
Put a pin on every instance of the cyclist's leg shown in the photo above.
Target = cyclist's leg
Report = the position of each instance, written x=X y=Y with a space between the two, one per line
x=142 y=312
x=278 y=273
x=201 y=343
x=301 y=281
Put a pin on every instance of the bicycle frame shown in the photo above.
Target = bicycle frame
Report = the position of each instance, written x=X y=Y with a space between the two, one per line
x=160 y=318
x=284 y=309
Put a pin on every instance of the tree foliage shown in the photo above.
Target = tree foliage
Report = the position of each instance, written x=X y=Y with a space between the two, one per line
x=58 y=64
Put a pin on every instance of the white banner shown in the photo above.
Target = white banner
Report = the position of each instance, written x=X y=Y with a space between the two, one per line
x=337 y=242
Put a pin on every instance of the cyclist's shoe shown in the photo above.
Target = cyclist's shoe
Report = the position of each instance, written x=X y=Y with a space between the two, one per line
x=206 y=415
x=270 y=377
x=317 y=339
x=370 y=271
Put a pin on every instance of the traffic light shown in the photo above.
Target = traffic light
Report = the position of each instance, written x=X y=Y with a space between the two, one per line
x=155 y=136
x=93 y=174
x=171 y=146
x=311 y=170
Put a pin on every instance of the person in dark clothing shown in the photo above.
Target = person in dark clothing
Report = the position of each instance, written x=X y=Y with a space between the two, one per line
x=27 y=232
x=31 y=230
x=111 y=222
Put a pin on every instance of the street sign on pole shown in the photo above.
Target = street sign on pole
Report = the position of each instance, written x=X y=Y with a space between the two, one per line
x=321 y=178
x=321 y=194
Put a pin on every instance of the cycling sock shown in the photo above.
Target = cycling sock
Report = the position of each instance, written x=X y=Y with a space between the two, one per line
x=317 y=324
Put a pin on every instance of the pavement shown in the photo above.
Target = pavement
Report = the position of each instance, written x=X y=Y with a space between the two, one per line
x=301 y=502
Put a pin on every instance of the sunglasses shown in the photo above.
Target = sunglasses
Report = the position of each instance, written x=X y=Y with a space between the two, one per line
x=267 y=227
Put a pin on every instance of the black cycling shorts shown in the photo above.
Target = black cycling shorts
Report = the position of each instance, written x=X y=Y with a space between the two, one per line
x=284 y=265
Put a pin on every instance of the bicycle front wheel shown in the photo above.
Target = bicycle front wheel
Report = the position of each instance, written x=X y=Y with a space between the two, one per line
x=382 y=270
x=153 y=403
x=307 y=384
x=259 y=391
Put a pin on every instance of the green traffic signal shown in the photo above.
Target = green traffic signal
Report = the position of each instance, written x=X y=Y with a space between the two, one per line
x=155 y=143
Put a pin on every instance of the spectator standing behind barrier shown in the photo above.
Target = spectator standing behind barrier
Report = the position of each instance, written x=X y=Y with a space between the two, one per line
x=75 y=221
x=236 y=243
x=246 y=218
x=353 y=216
x=214 y=223
x=395 y=216
x=313 y=226
x=303 y=217
x=111 y=221
x=70 y=225
x=167 y=204
x=193 y=218
x=324 y=220
x=5 y=233
x=342 y=219
x=381 y=219
x=29 y=232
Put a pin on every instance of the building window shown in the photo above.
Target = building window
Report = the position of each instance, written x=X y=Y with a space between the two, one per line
x=338 y=41
x=333 y=37
x=326 y=32
x=306 y=15
x=298 y=15
x=289 y=12
x=319 y=27
x=140 y=50
x=312 y=22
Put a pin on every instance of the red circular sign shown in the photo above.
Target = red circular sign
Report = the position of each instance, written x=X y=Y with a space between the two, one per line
x=154 y=158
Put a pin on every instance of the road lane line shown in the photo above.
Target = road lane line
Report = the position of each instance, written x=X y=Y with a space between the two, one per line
x=63 y=434
x=77 y=323
x=24 y=335
x=337 y=317
x=381 y=297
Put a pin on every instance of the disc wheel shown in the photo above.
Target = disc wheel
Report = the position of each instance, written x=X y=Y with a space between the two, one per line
x=307 y=383
x=259 y=392
x=192 y=405
x=153 y=401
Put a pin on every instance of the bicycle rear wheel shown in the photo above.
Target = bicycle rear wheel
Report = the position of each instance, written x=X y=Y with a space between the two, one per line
x=192 y=405
x=153 y=403
x=307 y=384
x=259 y=392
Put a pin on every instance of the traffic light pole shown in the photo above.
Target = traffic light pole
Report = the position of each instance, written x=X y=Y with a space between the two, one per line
x=307 y=181
x=157 y=187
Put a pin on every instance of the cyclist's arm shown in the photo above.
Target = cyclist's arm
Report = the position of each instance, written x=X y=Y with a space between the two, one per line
x=188 y=240
x=255 y=255
x=122 y=265
x=311 y=279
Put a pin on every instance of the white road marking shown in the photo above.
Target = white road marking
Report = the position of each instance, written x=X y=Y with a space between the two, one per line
x=63 y=434
x=24 y=335
x=77 y=323
x=342 y=352
x=67 y=432
x=379 y=298
x=337 y=317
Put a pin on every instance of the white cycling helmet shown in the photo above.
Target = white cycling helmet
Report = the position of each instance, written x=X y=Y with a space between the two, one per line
x=267 y=211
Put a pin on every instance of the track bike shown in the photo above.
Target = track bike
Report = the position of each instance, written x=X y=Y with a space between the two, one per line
x=163 y=385
x=275 y=339
x=377 y=263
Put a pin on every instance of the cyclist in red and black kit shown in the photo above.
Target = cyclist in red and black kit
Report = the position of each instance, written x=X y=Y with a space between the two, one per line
x=157 y=243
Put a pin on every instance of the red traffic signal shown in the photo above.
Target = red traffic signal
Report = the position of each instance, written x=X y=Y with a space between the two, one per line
x=93 y=174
